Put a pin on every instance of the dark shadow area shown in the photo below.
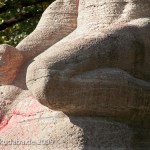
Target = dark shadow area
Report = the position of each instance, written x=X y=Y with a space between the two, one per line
x=20 y=80
x=104 y=134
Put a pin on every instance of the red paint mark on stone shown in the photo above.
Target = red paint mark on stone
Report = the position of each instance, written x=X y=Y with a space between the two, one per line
x=6 y=122
x=30 y=110
x=15 y=113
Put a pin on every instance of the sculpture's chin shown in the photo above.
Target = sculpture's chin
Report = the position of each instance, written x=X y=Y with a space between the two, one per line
x=103 y=92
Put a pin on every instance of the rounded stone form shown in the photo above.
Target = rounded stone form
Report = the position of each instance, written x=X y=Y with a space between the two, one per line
x=28 y=121
x=102 y=73
x=57 y=21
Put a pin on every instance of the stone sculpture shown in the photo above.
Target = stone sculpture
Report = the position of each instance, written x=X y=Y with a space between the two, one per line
x=88 y=61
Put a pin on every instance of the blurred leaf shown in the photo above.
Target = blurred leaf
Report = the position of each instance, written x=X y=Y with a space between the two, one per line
x=13 y=34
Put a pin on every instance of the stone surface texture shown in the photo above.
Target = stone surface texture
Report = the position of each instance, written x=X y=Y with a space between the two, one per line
x=58 y=20
x=11 y=60
x=80 y=80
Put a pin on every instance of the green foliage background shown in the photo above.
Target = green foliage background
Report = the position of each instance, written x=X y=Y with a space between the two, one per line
x=15 y=33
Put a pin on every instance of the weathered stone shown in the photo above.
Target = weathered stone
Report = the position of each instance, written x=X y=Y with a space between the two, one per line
x=58 y=20
x=94 y=81
x=10 y=62
x=102 y=67
x=29 y=121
